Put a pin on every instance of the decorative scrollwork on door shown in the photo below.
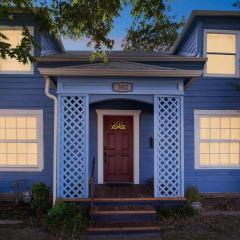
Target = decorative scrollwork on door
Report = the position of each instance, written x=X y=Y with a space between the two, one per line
x=118 y=125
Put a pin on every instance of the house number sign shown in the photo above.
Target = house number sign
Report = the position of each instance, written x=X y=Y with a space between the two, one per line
x=122 y=87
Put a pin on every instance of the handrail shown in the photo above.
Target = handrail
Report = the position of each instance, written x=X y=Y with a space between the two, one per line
x=92 y=186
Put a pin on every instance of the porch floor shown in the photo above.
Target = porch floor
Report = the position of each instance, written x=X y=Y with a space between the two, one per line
x=123 y=191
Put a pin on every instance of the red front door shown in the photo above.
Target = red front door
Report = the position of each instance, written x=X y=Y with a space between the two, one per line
x=118 y=149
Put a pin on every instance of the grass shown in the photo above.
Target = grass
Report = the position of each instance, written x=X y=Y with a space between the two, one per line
x=202 y=228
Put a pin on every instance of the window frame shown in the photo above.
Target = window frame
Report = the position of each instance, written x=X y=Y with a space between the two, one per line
x=210 y=113
x=31 y=29
x=217 y=31
x=39 y=115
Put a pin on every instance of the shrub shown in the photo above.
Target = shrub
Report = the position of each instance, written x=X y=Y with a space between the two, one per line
x=192 y=194
x=184 y=212
x=67 y=219
x=40 y=198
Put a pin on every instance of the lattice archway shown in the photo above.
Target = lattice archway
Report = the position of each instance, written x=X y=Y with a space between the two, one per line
x=168 y=162
x=73 y=146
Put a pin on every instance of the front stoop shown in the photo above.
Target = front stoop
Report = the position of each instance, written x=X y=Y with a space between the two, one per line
x=124 y=219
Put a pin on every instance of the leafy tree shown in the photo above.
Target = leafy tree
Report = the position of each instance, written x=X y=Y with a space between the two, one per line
x=151 y=28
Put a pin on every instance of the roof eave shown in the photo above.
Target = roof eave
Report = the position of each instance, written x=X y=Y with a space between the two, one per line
x=199 y=13
x=136 y=59
x=119 y=73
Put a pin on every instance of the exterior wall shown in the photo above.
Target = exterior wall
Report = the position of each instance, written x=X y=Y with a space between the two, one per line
x=145 y=128
x=27 y=92
x=209 y=94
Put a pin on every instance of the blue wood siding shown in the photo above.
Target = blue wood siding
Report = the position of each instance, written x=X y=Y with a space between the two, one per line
x=208 y=94
x=146 y=131
x=27 y=92
x=189 y=47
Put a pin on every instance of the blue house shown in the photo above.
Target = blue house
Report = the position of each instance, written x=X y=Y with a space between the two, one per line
x=172 y=120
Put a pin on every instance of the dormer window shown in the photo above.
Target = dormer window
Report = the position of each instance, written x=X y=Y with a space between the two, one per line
x=11 y=65
x=221 y=49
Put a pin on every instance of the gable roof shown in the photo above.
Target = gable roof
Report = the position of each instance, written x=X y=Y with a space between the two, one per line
x=151 y=56
x=201 y=13
x=119 y=69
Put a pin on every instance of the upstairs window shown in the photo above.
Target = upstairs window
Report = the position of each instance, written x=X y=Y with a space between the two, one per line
x=11 y=65
x=221 y=53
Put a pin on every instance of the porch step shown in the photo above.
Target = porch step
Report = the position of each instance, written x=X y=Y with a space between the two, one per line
x=124 y=213
x=123 y=227
x=124 y=218
x=125 y=210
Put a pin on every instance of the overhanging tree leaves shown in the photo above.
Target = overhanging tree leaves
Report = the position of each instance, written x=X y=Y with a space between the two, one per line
x=92 y=19
x=152 y=28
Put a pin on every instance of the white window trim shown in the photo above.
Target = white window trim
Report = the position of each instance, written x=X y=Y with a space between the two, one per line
x=39 y=115
x=135 y=114
x=197 y=114
x=31 y=29
x=237 y=33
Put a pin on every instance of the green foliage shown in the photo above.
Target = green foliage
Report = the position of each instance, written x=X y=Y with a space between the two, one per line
x=192 y=194
x=40 y=198
x=67 y=220
x=151 y=28
x=184 y=212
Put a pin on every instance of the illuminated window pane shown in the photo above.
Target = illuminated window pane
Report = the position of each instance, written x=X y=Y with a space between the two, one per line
x=224 y=147
x=11 y=148
x=214 y=159
x=10 y=122
x=2 y=134
x=234 y=147
x=204 y=159
x=234 y=159
x=14 y=38
x=235 y=134
x=32 y=159
x=2 y=122
x=3 y=159
x=224 y=43
x=22 y=148
x=12 y=159
x=221 y=64
x=225 y=134
x=11 y=134
x=204 y=133
x=3 y=147
x=31 y=122
x=215 y=122
x=225 y=122
x=235 y=122
x=21 y=134
x=214 y=147
x=32 y=148
x=22 y=159
x=31 y=134
x=224 y=159
x=21 y=122
x=215 y=133
x=204 y=147
x=204 y=122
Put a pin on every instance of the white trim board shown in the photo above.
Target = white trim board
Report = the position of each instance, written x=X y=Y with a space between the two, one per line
x=135 y=114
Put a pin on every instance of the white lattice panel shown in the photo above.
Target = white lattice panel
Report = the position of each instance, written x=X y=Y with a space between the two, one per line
x=73 y=132
x=167 y=146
